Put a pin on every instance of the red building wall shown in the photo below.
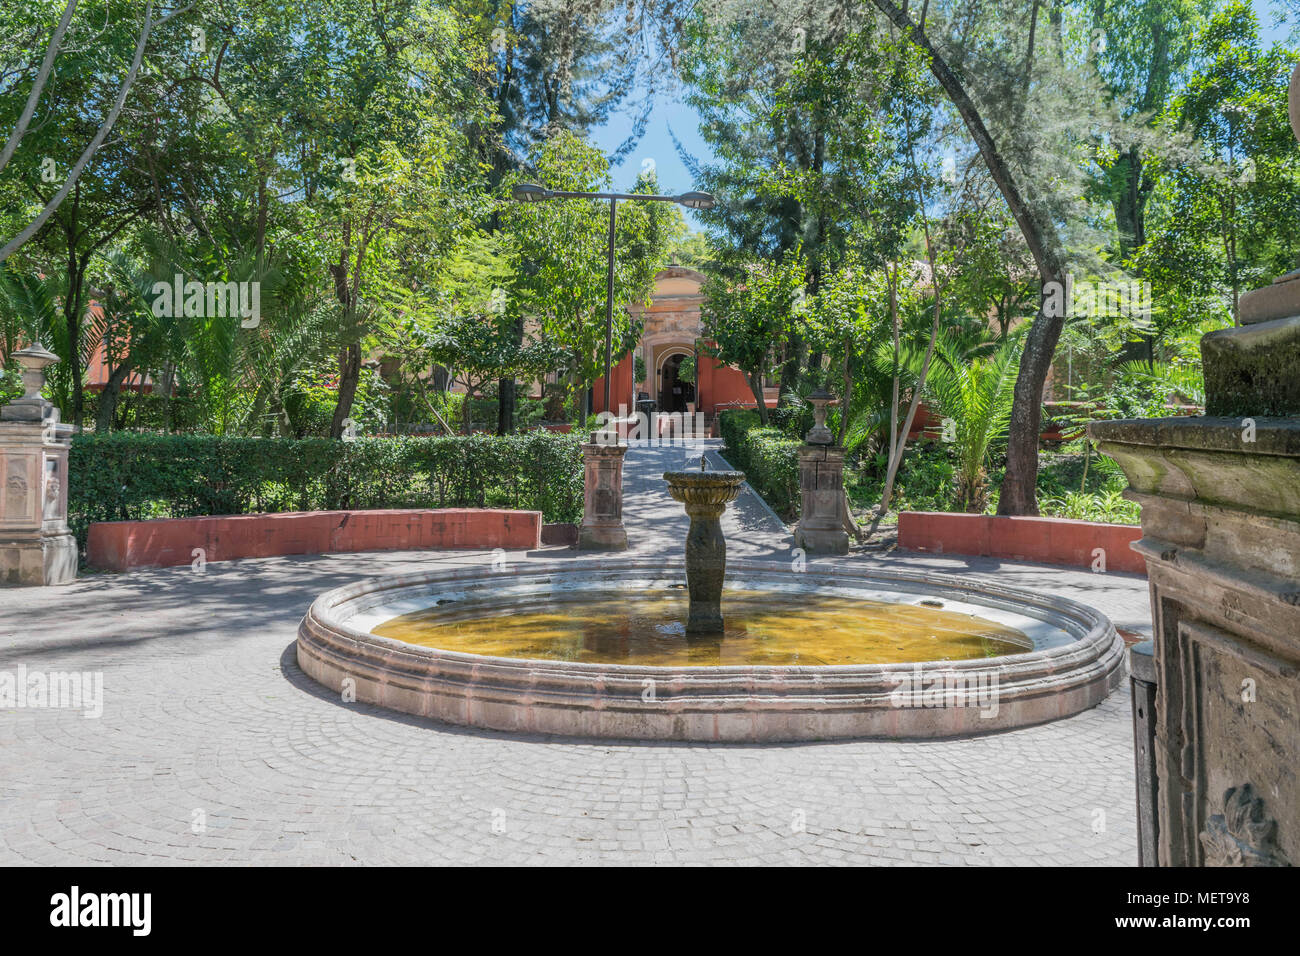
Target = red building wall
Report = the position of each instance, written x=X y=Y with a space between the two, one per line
x=716 y=385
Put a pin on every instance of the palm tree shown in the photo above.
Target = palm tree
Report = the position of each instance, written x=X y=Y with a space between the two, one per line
x=973 y=389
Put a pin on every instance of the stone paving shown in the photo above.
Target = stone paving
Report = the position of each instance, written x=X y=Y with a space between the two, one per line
x=214 y=748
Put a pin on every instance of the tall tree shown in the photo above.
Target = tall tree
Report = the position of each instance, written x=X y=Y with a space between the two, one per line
x=561 y=248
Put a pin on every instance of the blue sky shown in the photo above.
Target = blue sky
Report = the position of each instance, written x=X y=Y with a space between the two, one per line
x=670 y=112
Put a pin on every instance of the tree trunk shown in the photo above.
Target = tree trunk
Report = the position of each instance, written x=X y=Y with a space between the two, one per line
x=108 y=398
x=349 y=376
x=1130 y=204
x=505 y=406
x=1019 y=487
x=795 y=352
x=756 y=386
x=72 y=320
x=508 y=390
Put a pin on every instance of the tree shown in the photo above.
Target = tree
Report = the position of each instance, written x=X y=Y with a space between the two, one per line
x=561 y=256
x=104 y=192
x=552 y=67
x=747 y=317
x=809 y=154
x=1011 y=65
x=1140 y=50
x=974 y=393
x=87 y=155
x=478 y=348
x=1242 y=191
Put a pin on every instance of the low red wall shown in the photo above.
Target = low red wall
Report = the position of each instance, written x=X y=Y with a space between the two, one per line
x=170 y=542
x=1045 y=540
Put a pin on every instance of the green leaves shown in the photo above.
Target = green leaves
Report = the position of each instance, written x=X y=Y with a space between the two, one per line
x=560 y=253
x=973 y=391
x=768 y=457
x=747 y=316
x=136 y=476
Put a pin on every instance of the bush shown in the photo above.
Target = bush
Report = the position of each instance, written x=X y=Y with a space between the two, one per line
x=794 y=417
x=925 y=481
x=128 y=476
x=767 y=456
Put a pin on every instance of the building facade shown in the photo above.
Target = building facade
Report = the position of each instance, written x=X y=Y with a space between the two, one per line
x=672 y=333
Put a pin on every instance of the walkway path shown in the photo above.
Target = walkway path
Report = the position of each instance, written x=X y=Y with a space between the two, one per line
x=656 y=523
x=214 y=747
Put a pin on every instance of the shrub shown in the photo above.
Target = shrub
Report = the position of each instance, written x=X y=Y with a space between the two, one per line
x=767 y=456
x=124 y=476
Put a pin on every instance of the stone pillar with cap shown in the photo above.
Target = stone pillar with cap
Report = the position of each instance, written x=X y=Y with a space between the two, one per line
x=602 y=494
x=36 y=545
x=821 y=486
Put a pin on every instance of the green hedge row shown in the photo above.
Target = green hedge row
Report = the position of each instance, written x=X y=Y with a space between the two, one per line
x=123 y=476
x=768 y=457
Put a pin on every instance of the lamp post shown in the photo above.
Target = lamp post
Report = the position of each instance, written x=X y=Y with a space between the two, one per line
x=531 y=192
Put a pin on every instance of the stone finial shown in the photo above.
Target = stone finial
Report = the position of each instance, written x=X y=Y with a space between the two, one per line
x=819 y=434
x=31 y=406
x=34 y=360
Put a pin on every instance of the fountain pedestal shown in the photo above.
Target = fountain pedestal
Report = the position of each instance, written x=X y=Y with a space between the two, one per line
x=706 y=495
x=821 y=487
x=36 y=545
x=821 y=500
x=602 y=494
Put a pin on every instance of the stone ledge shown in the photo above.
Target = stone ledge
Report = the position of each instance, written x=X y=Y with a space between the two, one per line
x=170 y=542
x=1274 y=435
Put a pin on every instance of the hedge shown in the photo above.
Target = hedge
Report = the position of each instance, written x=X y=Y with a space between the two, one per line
x=124 y=476
x=768 y=457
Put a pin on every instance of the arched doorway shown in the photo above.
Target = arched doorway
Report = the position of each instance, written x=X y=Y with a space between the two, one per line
x=673 y=392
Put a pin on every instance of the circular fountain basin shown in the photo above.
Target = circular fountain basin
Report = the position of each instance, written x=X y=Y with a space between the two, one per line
x=1028 y=658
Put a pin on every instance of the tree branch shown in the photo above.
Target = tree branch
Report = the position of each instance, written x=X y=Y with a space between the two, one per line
x=37 y=85
x=100 y=136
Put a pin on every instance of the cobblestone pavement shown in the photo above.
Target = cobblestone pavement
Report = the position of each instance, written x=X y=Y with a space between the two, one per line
x=213 y=747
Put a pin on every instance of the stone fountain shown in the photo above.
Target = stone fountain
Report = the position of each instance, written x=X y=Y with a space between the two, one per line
x=1220 y=498
x=706 y=495
x=595 y=648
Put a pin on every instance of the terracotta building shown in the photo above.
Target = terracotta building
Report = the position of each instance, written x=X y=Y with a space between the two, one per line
x=672 y=332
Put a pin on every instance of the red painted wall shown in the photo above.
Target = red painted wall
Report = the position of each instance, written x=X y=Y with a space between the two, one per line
x=170 y=542
x=1045 y=540
x=722 y=385
x=620 y=388
x=716 y=385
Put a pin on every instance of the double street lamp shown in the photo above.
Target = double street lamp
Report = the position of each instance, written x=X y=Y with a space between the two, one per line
x=531 y=192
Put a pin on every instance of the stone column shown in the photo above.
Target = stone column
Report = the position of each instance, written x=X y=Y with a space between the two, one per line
x=1220 y=500
x=36 y=546
x=821 y=487
x=602 y=494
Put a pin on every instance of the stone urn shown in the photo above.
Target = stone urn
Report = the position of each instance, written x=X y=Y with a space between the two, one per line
x=706 y=495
